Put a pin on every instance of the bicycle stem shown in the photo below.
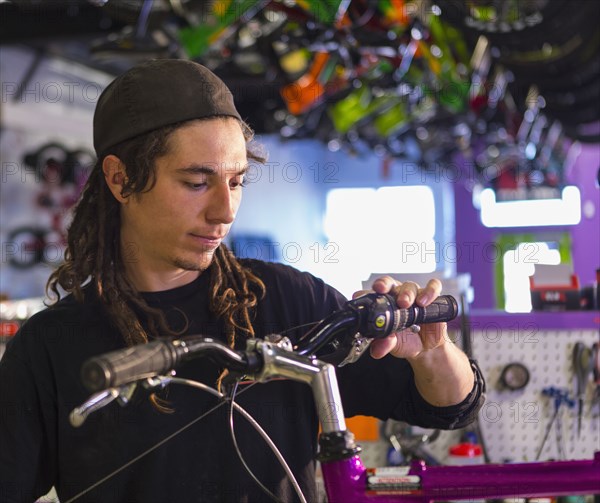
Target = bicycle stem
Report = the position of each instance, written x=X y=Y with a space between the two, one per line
x=279 y=362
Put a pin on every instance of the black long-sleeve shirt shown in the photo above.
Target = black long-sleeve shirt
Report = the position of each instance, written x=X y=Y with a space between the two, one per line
x=40 y=385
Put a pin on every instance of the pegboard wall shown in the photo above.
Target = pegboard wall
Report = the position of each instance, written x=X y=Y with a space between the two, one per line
x=513 y=423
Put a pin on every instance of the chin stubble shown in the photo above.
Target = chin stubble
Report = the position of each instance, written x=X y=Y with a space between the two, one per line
x=189 y=265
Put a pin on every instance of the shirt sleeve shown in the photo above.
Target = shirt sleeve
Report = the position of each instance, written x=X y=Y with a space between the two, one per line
x=421 y=413
x=386 y=389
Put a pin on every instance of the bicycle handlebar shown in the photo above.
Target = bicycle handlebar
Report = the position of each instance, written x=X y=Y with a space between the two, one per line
x=373 y=315
x=114 y=369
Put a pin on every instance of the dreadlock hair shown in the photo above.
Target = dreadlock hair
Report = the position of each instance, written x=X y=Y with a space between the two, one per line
x=95 y=253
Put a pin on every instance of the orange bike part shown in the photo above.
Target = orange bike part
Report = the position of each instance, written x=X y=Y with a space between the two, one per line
x=300 y=95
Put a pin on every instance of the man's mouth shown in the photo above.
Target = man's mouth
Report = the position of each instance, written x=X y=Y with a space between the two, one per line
x=209 y=241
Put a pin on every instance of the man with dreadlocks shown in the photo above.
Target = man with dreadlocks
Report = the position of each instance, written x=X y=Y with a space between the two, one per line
x=145 y=259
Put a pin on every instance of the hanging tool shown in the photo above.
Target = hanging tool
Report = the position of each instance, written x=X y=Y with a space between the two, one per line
x=561 y=397
x=583 y=364
x=409 y=443
x=596 y=370
x=514 y=376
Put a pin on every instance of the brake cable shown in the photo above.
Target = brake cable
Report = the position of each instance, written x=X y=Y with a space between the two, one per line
x=223 y=401
x=278 y=455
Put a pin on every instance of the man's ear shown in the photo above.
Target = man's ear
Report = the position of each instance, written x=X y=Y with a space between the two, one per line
x=114 y=174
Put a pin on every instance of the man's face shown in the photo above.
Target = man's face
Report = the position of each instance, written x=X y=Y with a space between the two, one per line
x=181 y=221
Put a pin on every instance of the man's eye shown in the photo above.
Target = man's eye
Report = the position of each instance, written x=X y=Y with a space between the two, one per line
x=240 y=182
x=195 y=186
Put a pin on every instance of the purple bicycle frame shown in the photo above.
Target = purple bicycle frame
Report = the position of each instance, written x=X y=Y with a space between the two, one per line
x=346 y=481
x=346 y=478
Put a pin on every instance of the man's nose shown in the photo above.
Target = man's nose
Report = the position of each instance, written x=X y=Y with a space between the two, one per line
x=223 y=205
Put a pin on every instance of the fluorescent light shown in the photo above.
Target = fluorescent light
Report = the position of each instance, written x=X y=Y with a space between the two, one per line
x=532 y=212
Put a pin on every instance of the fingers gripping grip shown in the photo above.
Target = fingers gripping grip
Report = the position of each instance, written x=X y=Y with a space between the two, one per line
x=444 y=308
x=385 y=317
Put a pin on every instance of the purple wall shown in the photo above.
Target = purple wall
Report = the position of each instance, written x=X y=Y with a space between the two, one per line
x=586 y=235
x=476 y=241
x=473 y=236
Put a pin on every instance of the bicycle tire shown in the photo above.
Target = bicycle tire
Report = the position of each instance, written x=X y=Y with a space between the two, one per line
x=536 y=49
x=577 y=132
x=584 y=74
x=585 y=113
x=573 y=58
x=457 y=12
x=555 y=30
x=31 y=248
x=572 y=96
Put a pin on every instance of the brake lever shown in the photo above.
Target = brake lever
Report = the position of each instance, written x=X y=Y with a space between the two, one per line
x=122 y=394
x=375 y=324
x=358 y=346
x=99 y=400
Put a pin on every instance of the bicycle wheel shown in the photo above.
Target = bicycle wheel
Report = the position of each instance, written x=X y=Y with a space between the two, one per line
x=489 y=17
x=571 y=95
x=582 y=75
x=584 y=113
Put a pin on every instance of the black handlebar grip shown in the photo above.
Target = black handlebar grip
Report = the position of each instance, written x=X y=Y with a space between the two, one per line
x=126 y=365
x=444 y=308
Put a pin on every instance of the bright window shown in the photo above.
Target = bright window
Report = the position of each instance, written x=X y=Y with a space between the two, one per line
x=376 y=231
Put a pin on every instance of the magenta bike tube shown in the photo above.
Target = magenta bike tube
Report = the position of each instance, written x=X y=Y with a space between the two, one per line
x=346 y=480
x=552 y=478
